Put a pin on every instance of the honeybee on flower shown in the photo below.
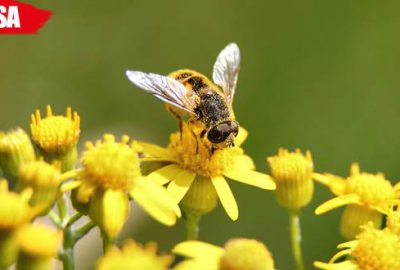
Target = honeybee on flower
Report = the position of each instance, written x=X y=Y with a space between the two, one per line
x=208 y=104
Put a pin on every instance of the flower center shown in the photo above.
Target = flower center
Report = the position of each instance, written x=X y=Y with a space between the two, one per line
x=377 y=250
x=194 y=154
x=133 y=256
x=110 y=164
x=246 y=254
x=371 y=188
x=55 y=133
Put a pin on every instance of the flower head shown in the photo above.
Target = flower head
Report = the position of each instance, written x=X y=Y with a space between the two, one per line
x=188 y=156
x=293 y=175
x=15 y=210
x=237 y=254
x=134 y=256
x=44 y=179
x=365 y=196
x=38 y=244
x=373 y=250
x=15 y=149
x=111 y=173
x=56 y=136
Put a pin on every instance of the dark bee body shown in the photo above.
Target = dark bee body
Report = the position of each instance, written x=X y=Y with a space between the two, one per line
x=212 y=108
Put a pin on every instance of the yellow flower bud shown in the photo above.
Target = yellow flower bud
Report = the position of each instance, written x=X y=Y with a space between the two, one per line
x=293 y=175
x=356 y=215
x=14 y=213
x=38 y=245
x=44 y=179
x=237 y=254
x=246 y=254
x=15 y=149
x=56 y=136
x=109 y=219
x=201 y=198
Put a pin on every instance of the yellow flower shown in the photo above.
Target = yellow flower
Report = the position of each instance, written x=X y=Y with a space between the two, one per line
x=38 y=244
x=133 y=256
x=111 y=172
x=44 y=179
x=15 y=212
x=237 y=254
x=56 y=136
x=15 y=149
x=365 y=196
x=293 y=175
x=373 y=250
x=188 y=156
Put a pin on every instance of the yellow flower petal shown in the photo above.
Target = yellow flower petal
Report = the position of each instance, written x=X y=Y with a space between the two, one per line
x=226 y=197
x=243 y=161
x=180 y=185
x=196 y=265
x=198 y=249
x=252 y=178
x=348 y=244
x=155 y=151
x=339 y=255
x=70 y=186
x=346 y=265
x=84 y=192
x=335 y=183
x=337 y=202
x=241 y=137
x=155 y=201
x=164 y=174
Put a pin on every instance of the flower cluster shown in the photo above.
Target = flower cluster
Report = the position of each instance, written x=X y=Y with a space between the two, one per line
x=45 y=174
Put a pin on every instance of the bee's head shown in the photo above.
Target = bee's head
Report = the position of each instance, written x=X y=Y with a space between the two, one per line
x=223 y=134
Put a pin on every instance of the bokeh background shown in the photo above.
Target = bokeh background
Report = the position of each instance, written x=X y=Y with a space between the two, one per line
x=318 y=75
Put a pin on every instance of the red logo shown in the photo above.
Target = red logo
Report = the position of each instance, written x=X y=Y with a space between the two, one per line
x=21 y=18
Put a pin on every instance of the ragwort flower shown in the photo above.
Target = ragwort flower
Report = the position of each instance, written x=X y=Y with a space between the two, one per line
x=15 y=212
x=38 y=245
x=15 y=149
x=56 y=136
x=373 y=250
x=111 y=173
x=133 y=256
x=365 y=196
x=237 y=254
x=293 y=175
x=188 y=158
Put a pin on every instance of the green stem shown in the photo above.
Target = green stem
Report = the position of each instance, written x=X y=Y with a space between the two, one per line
x=107 y=242
x=55 y=219
x=82 y=231
x=295 y=236
x=192 y=226
x=67 y=256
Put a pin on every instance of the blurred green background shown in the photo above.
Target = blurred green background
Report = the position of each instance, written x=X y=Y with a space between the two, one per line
x=319 y=75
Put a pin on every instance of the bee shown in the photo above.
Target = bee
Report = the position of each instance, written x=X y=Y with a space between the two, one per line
x=188 y=92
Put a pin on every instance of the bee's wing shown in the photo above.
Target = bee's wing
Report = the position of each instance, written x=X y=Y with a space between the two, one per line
x=163 y=87
x=226 y=70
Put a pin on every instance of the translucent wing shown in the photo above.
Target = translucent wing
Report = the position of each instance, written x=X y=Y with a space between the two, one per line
x=163 y=87
x=226 y=70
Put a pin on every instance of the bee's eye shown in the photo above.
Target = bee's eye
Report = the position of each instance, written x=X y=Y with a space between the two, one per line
x=219 y=133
